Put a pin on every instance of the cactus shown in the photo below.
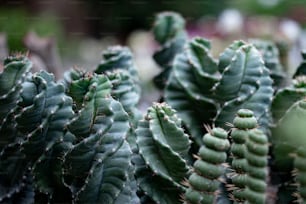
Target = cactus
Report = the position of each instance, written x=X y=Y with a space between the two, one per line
x=118 y=57
x=257 y=161
x=209 y=168
x=287 y=96
x=44 y=113
x=118 y=65
x=287 y=138
x=169 y=32
x=163 y=146
x=252 y=88
x=82 y=140
x=16 y=69
x=243 y=123
x=100 y=153
x=189 y=86
x=270 y=56
x=288 y=135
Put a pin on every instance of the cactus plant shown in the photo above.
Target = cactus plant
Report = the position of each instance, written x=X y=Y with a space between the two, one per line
x=270 y=55
x=252 y=88
x=243 y=123
x=163 y=146
x=169 y=32
x=83 y=139
x=209 y=168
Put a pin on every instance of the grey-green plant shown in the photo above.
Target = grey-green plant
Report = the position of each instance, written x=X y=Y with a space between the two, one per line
x=83 y=139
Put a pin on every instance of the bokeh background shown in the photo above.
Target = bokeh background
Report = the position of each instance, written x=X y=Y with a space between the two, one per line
x=68 y=33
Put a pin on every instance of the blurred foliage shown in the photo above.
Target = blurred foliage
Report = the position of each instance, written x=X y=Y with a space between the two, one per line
x=295 y=9
x=15 y=23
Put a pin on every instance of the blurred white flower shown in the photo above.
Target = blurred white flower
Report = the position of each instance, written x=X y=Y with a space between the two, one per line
x=290 y=29
x=230 y=22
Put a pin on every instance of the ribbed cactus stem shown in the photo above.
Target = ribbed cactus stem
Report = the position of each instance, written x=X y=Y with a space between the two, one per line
x=256 y=155
x=300 y=166
x=243 y=123
x=208 y=169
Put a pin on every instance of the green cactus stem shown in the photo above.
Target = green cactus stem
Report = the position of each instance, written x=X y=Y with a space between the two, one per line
x=287 y=96
x=164 y=147
x=169 y=32
x=209 y=167
x=244 y=122
x=270 y=56
x=252 y=88
x=257 y=171
x=188 y=89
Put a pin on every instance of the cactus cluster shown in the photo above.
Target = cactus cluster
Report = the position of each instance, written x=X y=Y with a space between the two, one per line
x=83 y=139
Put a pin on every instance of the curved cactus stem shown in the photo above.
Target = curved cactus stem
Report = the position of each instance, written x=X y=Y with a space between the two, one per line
x=169 y=32
x=44 y=113
x=100 y=128
x=164 y=147
x=209 y=168
x=252 y=88
x=14 y=74
x=227 y=55
x=288 y=135
x=270 y=56
x=118 y=58
x=189 y=87
x=287 y=96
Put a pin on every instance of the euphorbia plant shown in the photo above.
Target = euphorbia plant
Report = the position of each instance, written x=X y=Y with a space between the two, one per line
x=84 y=140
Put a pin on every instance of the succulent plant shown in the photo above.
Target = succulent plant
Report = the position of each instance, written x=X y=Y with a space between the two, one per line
x=209 y=168
x=271 y=58
x=163 y=147
x=169 y=32
x=83 y=139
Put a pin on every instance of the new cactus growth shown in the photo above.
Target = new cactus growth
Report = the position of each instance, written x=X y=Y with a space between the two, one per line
x=169 y=32
x=244 y=122
x=209 y=168
x=257 y=171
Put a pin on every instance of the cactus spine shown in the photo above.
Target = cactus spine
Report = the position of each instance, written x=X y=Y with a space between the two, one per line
x=208 y=168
